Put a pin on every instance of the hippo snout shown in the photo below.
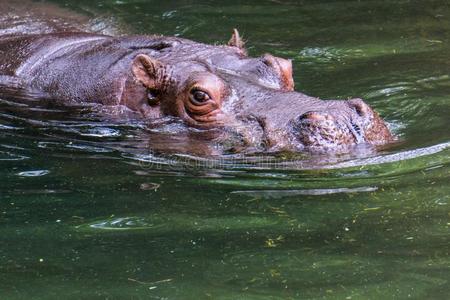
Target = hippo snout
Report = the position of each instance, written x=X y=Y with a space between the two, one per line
x=346 y=123
x=323 y=129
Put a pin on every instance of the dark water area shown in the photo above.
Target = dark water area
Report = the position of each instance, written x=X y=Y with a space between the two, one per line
x=92 y=208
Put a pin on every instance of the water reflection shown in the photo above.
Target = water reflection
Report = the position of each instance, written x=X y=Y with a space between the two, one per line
x=279 y=194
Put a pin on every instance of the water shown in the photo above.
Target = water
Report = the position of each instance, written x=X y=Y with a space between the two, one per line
x=91 y=209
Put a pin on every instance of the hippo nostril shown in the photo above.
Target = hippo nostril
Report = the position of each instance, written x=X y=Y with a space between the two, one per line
x=356 y=128
x=357 y=133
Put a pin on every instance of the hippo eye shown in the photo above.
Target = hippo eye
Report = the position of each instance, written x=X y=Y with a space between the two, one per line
x=199 y=97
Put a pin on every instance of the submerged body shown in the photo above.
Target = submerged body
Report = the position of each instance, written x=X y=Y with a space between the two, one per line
x=206 y=86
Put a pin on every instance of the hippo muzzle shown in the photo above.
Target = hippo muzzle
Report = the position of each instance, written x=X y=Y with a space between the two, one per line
x=353 y=123
x=289 y=120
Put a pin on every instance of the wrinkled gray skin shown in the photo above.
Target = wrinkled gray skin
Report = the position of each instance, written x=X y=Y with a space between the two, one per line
x=208 y=87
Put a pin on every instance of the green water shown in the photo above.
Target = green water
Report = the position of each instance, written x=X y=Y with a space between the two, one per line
x=87 y=211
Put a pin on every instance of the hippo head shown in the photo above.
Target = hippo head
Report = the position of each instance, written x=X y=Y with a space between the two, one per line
x=250 y=98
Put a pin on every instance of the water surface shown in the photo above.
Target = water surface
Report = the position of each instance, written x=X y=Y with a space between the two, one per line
x=90 y=209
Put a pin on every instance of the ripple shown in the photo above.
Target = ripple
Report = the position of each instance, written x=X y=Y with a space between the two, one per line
x=9 y=156
x=6 y=127
x=99 y=132
x=407 y=88
x=276 y=163
x=328 y=54
x=346 y=52
x=388 y=91
x=394 y=157
x=39 y=192
x=434 y=82
x=124 y=223
x=278 y=194
x=180 y=223
x=34 y=173
x=88 y=148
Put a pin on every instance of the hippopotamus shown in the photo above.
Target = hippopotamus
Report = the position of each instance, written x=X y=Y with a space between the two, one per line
x=207 y=87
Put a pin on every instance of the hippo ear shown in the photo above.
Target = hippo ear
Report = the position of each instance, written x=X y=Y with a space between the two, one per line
x=149 y=71
x=236 y=40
